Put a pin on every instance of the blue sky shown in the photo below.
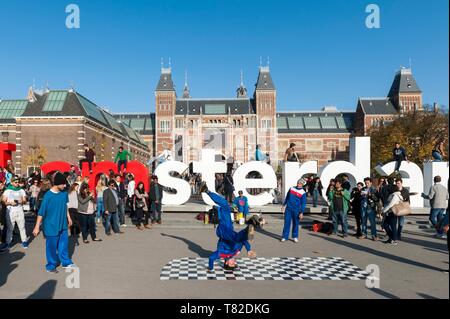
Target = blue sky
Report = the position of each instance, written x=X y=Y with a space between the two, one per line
x=321 y=52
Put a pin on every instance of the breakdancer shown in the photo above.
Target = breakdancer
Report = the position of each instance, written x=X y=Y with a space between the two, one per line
x=230 y=242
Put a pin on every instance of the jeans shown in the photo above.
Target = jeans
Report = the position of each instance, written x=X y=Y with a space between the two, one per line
x=121 y=212
x=437 y=156
x=390 y=226
x=436 y=217
x=368 y=213
x=120 y=164
x=400 y=223
x=397 y=165
x=156 y=212
x=315 y=197
x=33 y=204
x=100 y=207
x=86 y=161
x=291 y=216
x=87 y=225
x=342 y=217
x=393 y=226
x=112 y=219
x=57 y=250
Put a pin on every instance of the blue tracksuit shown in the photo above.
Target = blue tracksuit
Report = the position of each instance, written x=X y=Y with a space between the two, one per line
x=242 y=204
x=295 y=203
x=230 y=242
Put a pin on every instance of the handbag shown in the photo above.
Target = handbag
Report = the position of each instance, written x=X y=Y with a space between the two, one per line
x=401 y=209
x=140 y=204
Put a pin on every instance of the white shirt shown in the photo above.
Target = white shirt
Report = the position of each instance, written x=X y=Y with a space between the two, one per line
x=73 y=200
x=12 y=195
x=130 y=189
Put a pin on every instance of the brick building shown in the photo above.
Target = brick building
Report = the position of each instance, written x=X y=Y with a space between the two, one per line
x=185 y=125
x=53 y=126
x=235 y=125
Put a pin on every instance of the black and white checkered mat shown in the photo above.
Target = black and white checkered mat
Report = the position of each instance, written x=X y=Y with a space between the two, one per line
x=275 y=268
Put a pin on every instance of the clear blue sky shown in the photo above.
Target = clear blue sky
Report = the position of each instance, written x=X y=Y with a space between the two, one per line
x=320 y=51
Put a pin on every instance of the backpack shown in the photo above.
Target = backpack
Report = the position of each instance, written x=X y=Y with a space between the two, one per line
x=213 y=216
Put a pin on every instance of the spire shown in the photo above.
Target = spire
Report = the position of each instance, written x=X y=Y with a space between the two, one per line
x=30 y=96
x=186 y=92
x=241 y=91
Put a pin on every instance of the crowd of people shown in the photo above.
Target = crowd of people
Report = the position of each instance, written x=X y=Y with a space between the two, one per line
x=372 y=202
x=64 y=203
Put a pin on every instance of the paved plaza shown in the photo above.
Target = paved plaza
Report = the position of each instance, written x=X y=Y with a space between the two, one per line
x=129 y=265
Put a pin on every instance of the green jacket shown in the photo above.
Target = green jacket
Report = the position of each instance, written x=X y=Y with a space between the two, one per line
x=123 y=156
x=346 y=199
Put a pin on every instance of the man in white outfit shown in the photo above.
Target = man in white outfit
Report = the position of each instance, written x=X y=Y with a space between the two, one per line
x=14 y=198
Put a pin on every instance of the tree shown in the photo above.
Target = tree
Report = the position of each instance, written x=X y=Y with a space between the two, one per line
x=37 y=155
x=416 y=132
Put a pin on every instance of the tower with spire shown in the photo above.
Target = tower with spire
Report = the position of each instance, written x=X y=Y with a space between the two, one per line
x=265 y=99
x=186 y=91
x=241 y=91
x=405 y=94
x=165 y=103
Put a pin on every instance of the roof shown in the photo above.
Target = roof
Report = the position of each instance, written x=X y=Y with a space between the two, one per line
x=264 y=81
x=143 y=123
x=377 y=106
x=165 y=82
x=234 y=106
x=66 y=103
x=315 y=122
x=9 y=109
x=404 y=82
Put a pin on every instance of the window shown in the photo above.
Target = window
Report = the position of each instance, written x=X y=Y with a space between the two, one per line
x=266 y=124
x=164 y=126
x=179 y=123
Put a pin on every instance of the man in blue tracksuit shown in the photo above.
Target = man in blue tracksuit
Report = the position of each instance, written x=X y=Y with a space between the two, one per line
x=230 y=242
x=241 y=203
x=293 y=208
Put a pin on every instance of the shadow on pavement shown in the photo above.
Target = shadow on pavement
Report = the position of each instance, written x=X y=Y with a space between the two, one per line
x=268 y=233
x=45 y=291
x=426 y=244
x=7 y=264
x=378 y=253
x=73 y=241
x=384 y=293
x=425 y=296
x=192 y=246
x=437 y=250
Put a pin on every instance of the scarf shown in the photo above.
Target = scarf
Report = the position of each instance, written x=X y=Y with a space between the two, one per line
x=13 y=188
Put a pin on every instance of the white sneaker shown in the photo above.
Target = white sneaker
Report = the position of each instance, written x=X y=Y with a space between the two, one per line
x=283 y=239
x=295 y=240
x=123 y=225
x=71 y=266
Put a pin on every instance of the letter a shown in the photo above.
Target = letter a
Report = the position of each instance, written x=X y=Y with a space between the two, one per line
x=373 y=19
x=73 y=19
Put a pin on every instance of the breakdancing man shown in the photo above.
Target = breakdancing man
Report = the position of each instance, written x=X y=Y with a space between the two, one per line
x=230 y=242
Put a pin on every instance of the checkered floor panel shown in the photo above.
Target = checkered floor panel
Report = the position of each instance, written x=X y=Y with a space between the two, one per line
x=275 y=268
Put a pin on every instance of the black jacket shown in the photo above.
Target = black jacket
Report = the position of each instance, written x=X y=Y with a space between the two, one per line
x=121 y=190
x=152 y=193
x=228 y=184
